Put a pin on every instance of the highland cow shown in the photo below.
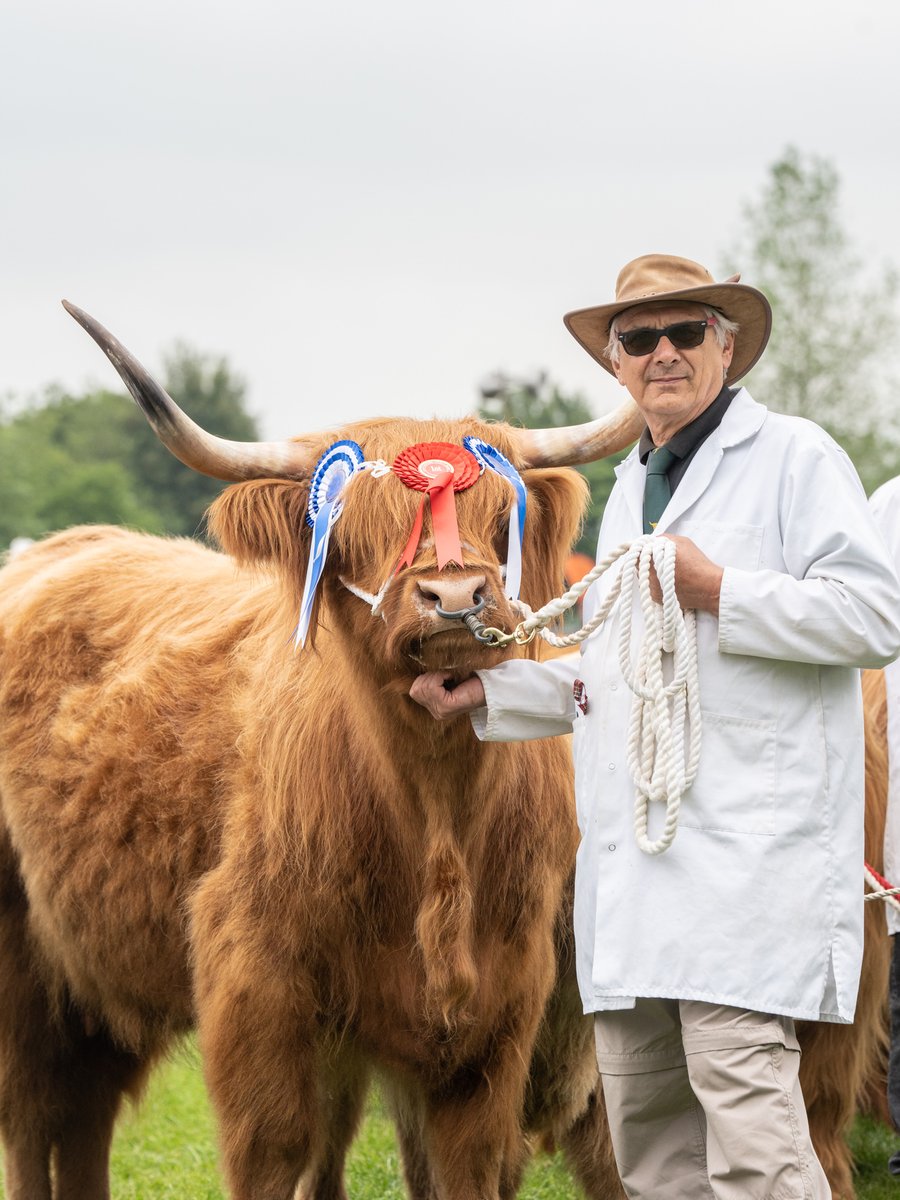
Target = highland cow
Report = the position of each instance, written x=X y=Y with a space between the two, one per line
x=203 y=825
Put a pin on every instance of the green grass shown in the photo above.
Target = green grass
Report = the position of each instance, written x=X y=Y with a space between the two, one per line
x=165 y=1150
x=872 y=1146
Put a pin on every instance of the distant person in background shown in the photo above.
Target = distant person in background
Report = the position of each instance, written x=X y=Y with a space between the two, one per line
x=18 y=544
x=885 y=505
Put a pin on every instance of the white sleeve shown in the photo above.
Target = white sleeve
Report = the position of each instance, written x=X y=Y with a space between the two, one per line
x=527 y=700
x=838 y=602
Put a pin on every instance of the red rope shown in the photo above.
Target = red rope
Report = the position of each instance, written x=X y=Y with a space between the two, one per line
x=882 y=882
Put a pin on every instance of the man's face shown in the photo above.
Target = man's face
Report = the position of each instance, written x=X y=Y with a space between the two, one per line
x=671 y=387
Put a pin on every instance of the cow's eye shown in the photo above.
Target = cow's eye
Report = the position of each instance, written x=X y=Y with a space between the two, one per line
x=501 y=540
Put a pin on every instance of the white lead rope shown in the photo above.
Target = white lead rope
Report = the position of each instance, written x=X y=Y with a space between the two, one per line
x=665 y=728
x=665 y=717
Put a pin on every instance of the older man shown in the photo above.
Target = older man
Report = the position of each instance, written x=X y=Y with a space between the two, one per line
x=696 y=961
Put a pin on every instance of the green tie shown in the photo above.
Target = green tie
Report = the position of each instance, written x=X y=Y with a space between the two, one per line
x=656 y=487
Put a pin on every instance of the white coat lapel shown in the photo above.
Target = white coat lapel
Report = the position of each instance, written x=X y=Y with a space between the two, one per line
x=630 y=482
x=743 y=418
x=696 y=480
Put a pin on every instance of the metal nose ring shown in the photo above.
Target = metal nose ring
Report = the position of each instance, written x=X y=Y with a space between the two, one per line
x=460 y=614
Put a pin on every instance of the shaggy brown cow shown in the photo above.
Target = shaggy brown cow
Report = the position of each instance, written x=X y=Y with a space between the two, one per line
x=201 y=824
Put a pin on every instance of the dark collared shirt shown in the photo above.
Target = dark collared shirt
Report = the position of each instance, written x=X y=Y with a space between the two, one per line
x=687 y=441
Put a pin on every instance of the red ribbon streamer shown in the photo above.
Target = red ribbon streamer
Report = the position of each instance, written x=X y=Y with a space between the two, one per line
x=439 y=469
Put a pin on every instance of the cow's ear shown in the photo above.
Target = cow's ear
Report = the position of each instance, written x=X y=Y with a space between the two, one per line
x=263 y=521
x=557 y=498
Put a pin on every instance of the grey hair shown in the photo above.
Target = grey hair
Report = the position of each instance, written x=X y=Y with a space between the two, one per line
x=721 y=329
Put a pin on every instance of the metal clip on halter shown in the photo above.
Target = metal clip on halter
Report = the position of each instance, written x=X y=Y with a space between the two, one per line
x=469 y=617
x=486 y=634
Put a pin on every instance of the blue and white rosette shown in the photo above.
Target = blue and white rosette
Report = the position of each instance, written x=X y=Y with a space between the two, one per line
x=489 y=456
x=335 y=468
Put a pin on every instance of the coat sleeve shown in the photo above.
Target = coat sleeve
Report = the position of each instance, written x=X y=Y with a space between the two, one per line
x=837 y=602
x=527 y=700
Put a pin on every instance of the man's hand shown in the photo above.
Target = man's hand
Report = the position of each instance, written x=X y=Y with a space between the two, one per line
x=429 y=691
x=698 y=580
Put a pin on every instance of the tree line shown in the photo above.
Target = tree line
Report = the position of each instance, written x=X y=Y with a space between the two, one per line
x=68 y=460
x=832 y=357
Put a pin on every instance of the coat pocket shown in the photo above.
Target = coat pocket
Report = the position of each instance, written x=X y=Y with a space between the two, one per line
x=729 y=545
x=734 y=790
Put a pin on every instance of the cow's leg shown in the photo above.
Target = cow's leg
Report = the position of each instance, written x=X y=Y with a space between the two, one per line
x=413 y=1156
x=27 y=1037
x=94 y=1077
x=59 y=1096
x=259 y=1061
x=60 y=1088
x=588 y=1152
x=343 y=1087
x=27 y=1166
x=24 y=1097
x=473 y=1130
x=476 y=1148
x=259 y=1037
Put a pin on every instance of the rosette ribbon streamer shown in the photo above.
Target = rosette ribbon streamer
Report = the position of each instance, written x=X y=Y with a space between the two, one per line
x=337 y=466
x=439 y=470
x=489 y=456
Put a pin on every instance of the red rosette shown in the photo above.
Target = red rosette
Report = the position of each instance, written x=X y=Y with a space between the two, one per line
x=427 y=464
x=438 y=469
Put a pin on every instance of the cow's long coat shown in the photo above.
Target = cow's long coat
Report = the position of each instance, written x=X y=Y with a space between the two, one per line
x=199 y=823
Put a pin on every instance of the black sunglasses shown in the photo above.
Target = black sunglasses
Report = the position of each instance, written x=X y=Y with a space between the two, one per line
x=685 y=335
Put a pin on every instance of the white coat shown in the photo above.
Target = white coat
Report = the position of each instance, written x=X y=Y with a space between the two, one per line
x=885 y=505
x=758 y=902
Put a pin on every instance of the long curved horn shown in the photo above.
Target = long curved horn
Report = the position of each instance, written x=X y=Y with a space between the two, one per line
x=210 y=455
x=575 y=444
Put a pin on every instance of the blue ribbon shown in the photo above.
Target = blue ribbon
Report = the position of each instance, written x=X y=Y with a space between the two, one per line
x=489 y=456
x=335 y=468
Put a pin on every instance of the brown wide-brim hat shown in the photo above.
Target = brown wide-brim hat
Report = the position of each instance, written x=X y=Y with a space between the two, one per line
x=657 y=278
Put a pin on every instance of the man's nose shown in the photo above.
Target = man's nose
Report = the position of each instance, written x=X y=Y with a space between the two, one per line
x=665 y=351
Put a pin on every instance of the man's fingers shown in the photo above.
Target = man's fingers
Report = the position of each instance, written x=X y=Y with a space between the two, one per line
x=444 y=697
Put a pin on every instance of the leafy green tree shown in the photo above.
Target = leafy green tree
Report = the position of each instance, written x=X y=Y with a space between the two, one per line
x=60 y=465
x=834 y=331
x=538 y=403
x=67 y=460
x=213 y=396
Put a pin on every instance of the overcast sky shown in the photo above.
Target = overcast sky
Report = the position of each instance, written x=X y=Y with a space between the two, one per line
x=368 y=207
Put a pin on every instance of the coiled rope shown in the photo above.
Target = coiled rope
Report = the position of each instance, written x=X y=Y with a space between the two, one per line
x=664 y=733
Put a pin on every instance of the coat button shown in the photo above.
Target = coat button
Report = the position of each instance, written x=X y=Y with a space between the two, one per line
x=612 y=846
x=611 y=766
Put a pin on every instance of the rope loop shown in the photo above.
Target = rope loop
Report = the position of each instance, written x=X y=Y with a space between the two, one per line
x=664 y=732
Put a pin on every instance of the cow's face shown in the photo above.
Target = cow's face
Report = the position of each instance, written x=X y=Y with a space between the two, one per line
x=263 y=520
x=409 y=631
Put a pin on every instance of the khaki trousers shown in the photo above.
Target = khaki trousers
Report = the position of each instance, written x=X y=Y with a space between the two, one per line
x=704 y=1102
